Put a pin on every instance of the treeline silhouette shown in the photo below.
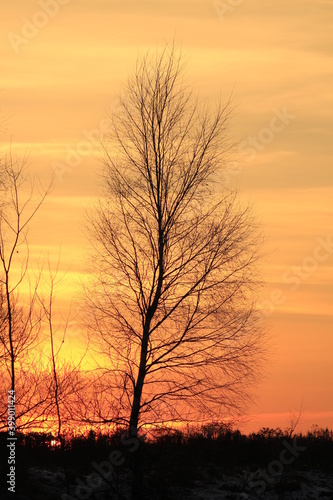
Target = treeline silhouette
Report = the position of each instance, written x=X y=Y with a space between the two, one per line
x=170 y=459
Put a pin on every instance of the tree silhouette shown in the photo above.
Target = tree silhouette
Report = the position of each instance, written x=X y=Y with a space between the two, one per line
x=20 y=320
x=171 y=307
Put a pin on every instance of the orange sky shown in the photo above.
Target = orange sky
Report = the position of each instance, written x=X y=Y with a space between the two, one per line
x=62 y=62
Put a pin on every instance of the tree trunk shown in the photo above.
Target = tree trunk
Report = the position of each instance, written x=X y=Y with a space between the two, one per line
x=10 y=335
x=137 y=480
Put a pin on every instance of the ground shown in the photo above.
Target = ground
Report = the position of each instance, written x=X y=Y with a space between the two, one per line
x=240 y=485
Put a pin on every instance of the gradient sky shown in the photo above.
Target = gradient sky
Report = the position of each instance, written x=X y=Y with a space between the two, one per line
x=60 y=73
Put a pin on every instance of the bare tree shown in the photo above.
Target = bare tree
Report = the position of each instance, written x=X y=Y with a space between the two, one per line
x=64 y=377
x=67 y=382
x=172 y=304
x=20 y=319
x=295 y=418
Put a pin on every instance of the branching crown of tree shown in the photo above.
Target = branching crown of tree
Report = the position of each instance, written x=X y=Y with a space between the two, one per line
x=171 y=308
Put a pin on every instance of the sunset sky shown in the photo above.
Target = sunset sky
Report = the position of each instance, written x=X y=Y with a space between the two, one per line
x=62 y=65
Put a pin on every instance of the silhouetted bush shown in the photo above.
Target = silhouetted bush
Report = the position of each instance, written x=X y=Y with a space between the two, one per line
x=171 y=458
